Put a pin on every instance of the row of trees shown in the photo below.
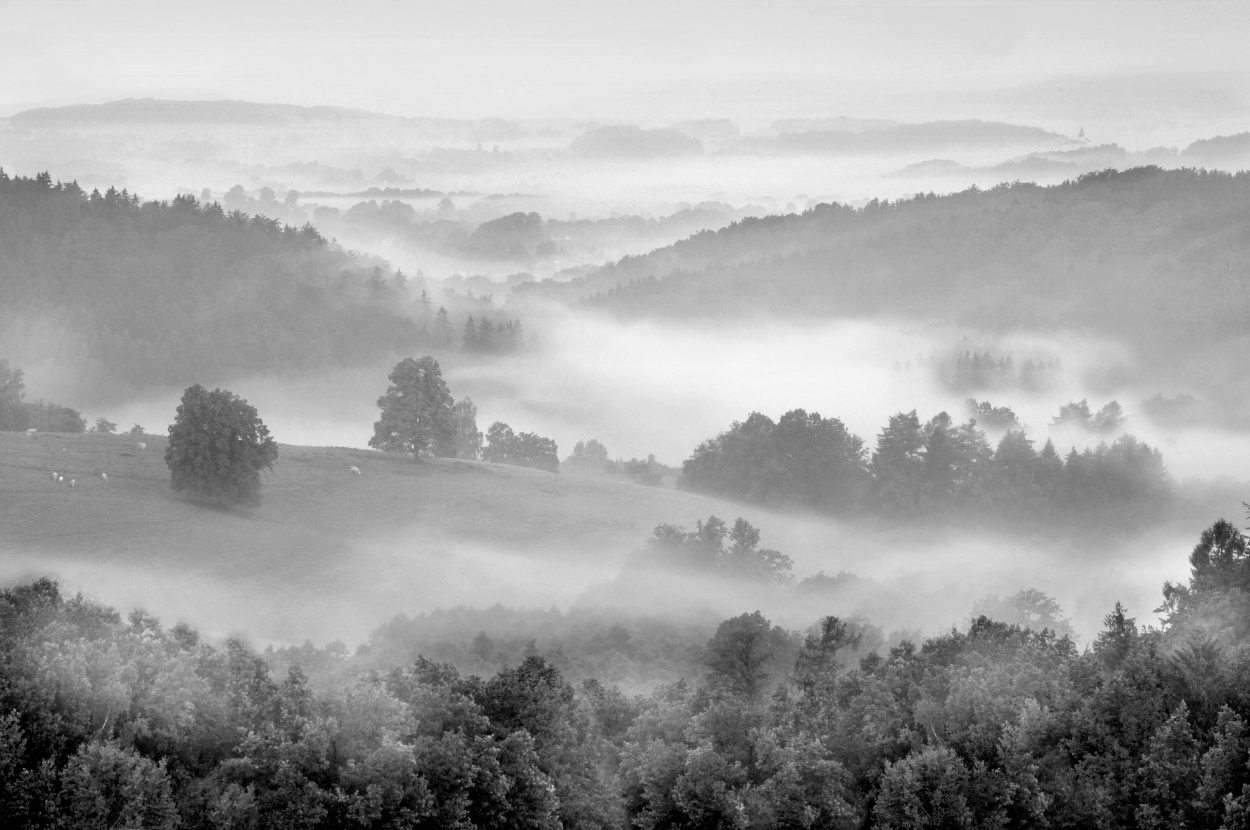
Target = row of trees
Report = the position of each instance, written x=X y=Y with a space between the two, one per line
x=1107 y=421
x=525 y=449
x=704 y=552
x=969 y=371
x=591 y=458
x=420 y=418
x=106 y=722
x=480 y=337
x=17 y=413
x=925 y=468
x=487 y=338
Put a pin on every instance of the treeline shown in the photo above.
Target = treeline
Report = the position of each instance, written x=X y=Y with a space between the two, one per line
x=591 y=458
x=523 y=449
x=106 y=722
x=969 y=370
x=1140 y=254
x=17 y=413
x=489 y=338
x=933 y=468
x=152 y=293
x=522 y=238
x=419 y=417
x=608 y=638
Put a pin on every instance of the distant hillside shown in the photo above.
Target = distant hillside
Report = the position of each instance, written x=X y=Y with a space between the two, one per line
x=157 y=293
x=635 y=142
x=151 y=112
x=1221 y=149
x=156 y=111
x=1152 y=256
x=931 y=135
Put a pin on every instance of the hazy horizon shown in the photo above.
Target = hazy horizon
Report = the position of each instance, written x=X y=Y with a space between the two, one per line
x=1157 y=72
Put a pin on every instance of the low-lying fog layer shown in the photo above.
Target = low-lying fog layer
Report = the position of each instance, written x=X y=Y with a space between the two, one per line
x=921 y=579
x=647 y=388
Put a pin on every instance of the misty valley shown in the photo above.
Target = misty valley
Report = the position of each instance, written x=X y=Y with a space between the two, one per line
x=365 y=471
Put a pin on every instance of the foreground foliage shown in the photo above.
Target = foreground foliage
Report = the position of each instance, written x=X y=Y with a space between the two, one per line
x=108 y=722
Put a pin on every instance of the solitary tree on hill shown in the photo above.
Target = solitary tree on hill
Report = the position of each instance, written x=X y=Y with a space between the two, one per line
x=418 y=414
x=217 y=447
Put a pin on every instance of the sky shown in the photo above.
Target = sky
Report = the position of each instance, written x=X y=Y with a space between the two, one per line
x=647 y=61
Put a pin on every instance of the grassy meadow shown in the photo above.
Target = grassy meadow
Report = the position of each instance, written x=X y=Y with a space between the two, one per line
x=327 y=553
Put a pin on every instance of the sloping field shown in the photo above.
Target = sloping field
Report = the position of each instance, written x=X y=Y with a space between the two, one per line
x=327 y=553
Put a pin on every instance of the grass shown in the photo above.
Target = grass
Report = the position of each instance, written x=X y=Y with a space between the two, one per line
x=326 y=553
x=329 y=554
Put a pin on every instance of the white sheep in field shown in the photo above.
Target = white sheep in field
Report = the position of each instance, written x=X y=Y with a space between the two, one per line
x=55 y=475
x=71 y=484
x=141 y=445
x=105 y=476
x=355 y=469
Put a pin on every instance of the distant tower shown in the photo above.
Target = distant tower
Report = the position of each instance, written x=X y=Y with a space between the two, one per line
x=1081 y=135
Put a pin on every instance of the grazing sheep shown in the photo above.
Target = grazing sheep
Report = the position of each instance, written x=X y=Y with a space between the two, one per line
x=105 y=476
x=60 y=479
x=71 y=484
x=355 y=469
x=55 y=475
x=141 y=445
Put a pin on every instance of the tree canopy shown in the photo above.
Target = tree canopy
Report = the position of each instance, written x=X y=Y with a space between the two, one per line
x=218 y=447
x=524 y=449
x=111 y=721
x=935 y=468
x=151 y=293
x=418 y=413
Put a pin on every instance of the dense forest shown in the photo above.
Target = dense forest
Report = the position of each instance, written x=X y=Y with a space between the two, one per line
x=926 y=470
x=165 y=293
x=112 y=722
x=1156 y=257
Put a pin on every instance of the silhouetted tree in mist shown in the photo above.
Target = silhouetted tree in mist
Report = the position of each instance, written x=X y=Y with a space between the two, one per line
x=525 y=449
x=218 y=447
x=418 y=414
x=468 y=437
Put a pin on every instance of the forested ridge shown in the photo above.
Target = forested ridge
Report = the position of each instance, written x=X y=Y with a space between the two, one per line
x=927 y=470
x=1151 y=255
x=151 y=293
x=112 y=722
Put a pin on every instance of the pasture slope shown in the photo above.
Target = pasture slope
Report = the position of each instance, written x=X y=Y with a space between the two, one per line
x=331 y=555
x=326 y=553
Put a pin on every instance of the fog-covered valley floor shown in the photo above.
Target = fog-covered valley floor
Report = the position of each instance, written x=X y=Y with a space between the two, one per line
x=648 y=416
x=332 y=556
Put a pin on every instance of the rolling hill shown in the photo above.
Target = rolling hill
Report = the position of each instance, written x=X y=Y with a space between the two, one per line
x=132 y=294
x=327 y=553
x=330 y=555
x=1152 y=257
